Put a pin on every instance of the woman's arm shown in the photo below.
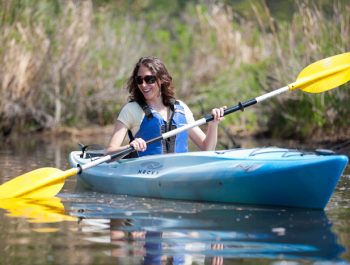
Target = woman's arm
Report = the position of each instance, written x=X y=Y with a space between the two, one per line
x=207 y=141
x=117 y=138
x=128 y=117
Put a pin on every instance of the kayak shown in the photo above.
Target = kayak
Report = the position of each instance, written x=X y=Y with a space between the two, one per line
x=260 y=176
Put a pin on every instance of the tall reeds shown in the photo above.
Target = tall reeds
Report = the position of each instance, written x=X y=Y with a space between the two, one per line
x=65 y=64
x=41 y=65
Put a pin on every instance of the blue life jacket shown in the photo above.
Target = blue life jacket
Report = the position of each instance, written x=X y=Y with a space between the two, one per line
x=153 y=125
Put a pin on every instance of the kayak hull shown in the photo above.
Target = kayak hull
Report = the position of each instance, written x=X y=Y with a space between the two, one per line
x=261 y=176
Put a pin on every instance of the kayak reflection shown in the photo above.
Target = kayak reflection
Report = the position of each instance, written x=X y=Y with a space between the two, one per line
x=160 y=231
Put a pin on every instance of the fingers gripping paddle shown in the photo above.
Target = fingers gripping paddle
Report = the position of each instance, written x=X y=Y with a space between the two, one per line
x=318 y=77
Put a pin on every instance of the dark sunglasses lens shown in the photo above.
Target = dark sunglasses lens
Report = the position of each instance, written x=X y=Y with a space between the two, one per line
x=139 y=80
x=149 y=79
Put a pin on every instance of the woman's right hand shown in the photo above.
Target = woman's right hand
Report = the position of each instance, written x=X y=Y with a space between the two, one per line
x=139 y=144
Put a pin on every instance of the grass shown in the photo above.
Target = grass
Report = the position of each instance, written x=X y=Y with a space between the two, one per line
x=66 y=64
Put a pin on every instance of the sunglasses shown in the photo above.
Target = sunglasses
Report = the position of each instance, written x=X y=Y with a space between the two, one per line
x=149 y=79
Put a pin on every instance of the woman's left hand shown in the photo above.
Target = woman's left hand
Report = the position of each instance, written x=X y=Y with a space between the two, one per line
x=218 y=113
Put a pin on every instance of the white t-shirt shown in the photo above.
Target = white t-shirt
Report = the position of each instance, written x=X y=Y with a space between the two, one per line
x=131 y=115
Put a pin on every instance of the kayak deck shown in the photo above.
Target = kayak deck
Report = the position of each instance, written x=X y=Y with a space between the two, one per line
x=263 y=176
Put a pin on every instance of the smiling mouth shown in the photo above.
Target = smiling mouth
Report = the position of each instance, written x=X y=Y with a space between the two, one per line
x=147 y=90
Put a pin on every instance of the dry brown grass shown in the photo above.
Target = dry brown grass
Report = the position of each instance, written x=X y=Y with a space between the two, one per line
x=38 y=70
x=73 y=71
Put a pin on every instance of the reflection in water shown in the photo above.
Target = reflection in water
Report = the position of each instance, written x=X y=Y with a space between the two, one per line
x=49 y=210
x=126 y=230
x=157 y=231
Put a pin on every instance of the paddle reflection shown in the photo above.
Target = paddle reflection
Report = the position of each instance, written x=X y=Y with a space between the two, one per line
x=48 y=210
x=153 y=232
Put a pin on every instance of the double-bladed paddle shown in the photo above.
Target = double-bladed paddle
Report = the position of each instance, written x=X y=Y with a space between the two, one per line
x=318 y=77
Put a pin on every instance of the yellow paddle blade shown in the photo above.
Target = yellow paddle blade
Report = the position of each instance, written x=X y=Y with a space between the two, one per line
x=40 y=183
x=49 y=210
x=324 y=75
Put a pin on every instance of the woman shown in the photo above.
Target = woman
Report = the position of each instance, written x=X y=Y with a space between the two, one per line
x=153 y=110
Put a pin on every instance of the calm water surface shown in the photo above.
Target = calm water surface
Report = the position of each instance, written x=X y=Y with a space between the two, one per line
x=91 y=228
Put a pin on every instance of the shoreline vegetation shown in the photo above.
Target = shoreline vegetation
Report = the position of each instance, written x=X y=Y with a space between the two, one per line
x=65 y=63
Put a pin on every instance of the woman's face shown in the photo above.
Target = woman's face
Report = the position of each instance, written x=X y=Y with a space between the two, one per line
x=148 y=84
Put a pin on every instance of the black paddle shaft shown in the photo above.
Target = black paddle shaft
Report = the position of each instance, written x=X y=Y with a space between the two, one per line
x=239 y=106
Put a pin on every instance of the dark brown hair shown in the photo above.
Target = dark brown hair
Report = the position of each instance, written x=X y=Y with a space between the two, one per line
x=158 y=69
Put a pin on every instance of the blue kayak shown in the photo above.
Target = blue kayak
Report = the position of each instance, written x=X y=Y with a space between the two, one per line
x=260 y=176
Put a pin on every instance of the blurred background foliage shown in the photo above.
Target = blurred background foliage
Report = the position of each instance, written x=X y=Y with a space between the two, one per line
x=65 y=63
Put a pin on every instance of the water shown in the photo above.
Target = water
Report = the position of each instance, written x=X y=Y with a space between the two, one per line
x=91 y=228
